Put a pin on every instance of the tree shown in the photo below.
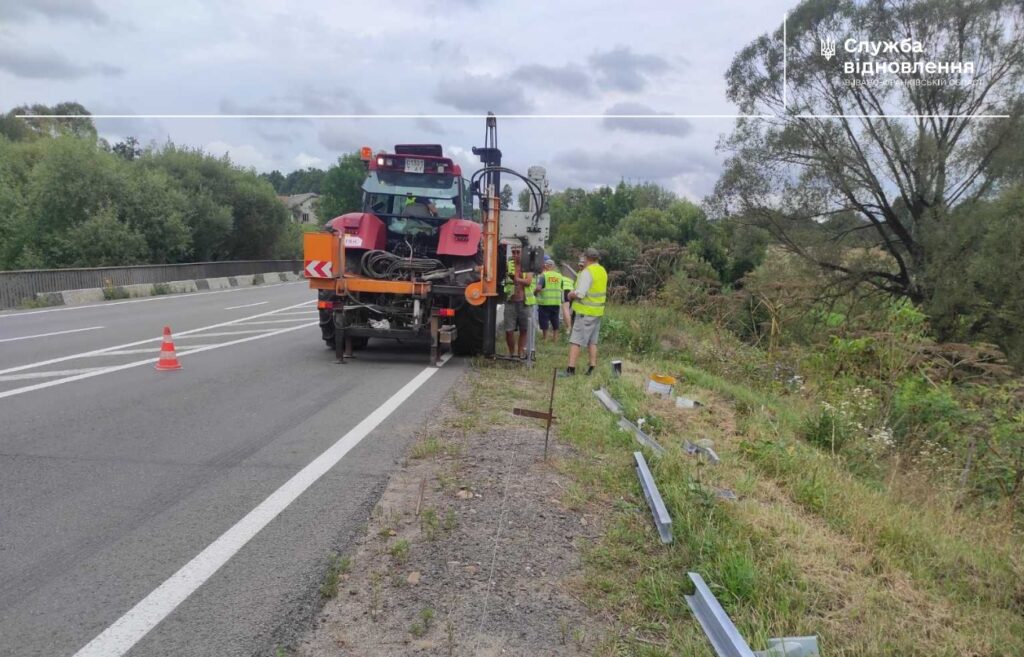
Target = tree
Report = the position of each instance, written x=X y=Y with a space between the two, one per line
x=523 y=200
x=275 y=178
x=506 y=197
x=899 y=177
x=341 y=190
x=60 y=124
x=128 y=149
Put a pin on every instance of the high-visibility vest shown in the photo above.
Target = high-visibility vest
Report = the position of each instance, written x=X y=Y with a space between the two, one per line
x=593 y=303
x=567 y=283
x=551 y=293
x=510 y=287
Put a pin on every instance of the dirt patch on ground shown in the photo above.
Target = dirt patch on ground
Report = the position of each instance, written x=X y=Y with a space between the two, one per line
x=469 y=552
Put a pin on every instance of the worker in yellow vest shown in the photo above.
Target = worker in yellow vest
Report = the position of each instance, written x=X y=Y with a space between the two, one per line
x=518 y=296
x=549 y=299
x=588 y=303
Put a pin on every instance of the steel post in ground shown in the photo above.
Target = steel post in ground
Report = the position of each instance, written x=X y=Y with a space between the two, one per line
x=551 y=411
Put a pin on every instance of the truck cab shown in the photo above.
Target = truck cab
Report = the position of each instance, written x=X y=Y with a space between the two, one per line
x=400 y=265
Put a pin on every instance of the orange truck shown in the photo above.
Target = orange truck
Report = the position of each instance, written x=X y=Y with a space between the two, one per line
x=416 y=263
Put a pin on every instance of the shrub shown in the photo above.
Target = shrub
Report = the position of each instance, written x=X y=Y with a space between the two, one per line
x=922 y=411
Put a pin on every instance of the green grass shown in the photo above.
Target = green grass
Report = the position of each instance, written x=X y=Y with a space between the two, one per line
x=400 y=551
x=433 y=447
x=809 y=548
x=161 y=289
x=339 y=566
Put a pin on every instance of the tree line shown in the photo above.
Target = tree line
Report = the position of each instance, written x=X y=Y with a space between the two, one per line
x=69 y=199
x=895 y=190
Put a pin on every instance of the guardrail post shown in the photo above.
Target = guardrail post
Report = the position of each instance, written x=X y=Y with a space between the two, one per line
x=662 y=520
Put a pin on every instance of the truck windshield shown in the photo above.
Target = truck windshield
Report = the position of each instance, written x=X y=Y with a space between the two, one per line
x=387 y=192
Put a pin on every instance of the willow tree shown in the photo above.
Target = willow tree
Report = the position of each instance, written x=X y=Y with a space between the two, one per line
x=878 y=118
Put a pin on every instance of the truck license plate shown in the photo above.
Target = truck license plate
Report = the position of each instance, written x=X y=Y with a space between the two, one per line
x=413 y=165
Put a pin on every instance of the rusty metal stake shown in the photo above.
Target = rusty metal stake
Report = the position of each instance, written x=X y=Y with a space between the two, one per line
x=549 y=417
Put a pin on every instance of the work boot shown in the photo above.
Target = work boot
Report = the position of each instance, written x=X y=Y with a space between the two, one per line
x=569 y=371
x=590 y=370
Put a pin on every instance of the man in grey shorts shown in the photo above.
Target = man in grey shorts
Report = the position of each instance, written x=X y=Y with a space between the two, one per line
x=588 y=301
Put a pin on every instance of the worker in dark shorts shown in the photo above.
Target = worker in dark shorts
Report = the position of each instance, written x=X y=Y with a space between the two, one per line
x=549 y=300
x=518 y=296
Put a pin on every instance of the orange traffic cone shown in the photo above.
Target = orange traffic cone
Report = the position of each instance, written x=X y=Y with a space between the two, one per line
x=168 y=359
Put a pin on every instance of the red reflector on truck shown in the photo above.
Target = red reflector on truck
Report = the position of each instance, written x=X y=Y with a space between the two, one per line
x=325 y=305
x=446 y=312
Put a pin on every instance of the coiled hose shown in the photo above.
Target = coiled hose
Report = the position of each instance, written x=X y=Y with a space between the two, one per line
x=388 y=266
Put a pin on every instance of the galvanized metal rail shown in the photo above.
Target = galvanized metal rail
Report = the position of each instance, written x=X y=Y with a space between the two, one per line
x=642 y=437
x=608 y=401
x=17 y=286
x=727 y=640
x=718 y=627
x=662 y=520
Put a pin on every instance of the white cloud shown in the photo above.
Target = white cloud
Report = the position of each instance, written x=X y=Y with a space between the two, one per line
x=402 y=57
x=304 y=160
x=245 y=155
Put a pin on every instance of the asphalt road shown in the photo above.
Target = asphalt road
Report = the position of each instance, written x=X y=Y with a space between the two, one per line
x=120 y=485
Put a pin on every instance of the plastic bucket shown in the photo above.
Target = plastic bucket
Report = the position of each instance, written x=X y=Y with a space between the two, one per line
x=660 y=384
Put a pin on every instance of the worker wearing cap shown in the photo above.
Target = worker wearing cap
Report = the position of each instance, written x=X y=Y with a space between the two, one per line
x=588 y=303
x=549 y=299
x=518 y=295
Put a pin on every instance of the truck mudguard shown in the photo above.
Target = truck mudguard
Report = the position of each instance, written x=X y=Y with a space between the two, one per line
x=459 y=237
x=360 y=230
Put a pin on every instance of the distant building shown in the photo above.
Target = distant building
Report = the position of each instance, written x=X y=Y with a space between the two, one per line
x=303 y=207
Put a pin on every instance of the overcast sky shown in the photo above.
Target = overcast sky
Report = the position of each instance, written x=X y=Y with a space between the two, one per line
x=398 y=57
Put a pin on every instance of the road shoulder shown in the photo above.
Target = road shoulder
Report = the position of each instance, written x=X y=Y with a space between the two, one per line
x=472 y=549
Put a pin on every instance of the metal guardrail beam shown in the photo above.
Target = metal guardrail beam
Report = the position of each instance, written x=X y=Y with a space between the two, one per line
x=718 y=627
x=642 y=437
x=662 y=520
x=727 y=640
x=608 y=401
x=17 y=286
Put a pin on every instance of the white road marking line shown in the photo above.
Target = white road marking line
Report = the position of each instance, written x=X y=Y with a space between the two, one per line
x=62 y=359
x=162 y=297
x=149 y=350
x=124 y=352
x=217 y=334
x=117 y=368
x=276 y=321
x=43 y=375
x=248 y=305
x=126 y=631
x=46 y=335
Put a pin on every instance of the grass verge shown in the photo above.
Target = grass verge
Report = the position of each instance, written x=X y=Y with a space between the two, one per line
x=807 y=547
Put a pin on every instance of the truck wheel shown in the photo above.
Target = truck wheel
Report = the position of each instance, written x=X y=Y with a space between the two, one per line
x=469 y=324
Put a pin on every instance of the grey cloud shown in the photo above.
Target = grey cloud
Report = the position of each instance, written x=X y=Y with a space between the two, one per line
x=306 y=101
x=80 y=10
x=621 y=69
x=430 y=125
x=49 y=65
x=608 y=167
x=483 y=93
x=667 y=127
x=569 y=79
x=339 y=138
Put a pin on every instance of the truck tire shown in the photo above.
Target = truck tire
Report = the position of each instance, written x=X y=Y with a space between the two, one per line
x=469 y=324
